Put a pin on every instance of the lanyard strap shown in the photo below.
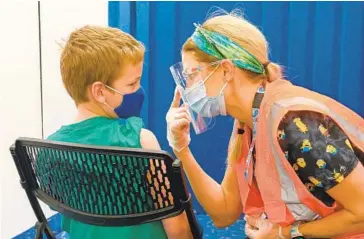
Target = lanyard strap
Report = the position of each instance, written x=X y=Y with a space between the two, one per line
x=255 y=113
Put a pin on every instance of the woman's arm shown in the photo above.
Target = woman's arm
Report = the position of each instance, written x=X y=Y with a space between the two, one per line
x=175 y=227
x=350 y=194
x=325 y=161
x=221 y=202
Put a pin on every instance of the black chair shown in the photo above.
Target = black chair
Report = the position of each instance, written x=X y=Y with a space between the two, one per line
x=105 y=186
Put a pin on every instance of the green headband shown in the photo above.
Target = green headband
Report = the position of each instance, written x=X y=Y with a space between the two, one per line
x=222 y=47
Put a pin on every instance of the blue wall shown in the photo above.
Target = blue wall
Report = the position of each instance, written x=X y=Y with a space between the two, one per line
x=321 y=44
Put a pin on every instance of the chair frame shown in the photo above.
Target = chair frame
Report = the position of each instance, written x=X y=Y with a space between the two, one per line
x=28 y=181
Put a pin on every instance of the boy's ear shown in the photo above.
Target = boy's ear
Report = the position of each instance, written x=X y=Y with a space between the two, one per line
x=97 y=90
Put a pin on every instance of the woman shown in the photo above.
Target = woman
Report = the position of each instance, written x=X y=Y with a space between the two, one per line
x=294 y=155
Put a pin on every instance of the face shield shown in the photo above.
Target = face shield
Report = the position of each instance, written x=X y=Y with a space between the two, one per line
x=191 y=84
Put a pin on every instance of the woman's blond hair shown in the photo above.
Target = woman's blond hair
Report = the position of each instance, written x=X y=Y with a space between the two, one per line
x=248 y=36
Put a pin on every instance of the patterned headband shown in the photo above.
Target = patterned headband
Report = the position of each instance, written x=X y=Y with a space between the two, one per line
x=222 y=47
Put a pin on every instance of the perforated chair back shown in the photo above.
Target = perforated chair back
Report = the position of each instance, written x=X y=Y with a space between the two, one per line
x=105 y=186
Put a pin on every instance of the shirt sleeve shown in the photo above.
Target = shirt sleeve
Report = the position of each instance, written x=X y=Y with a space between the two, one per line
x=317 y=148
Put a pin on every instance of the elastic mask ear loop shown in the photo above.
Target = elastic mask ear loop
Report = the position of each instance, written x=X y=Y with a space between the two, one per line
x=110 y=88
x=212 y=72
x=223 y=88
x=223 y=107
x=108 y=105
x=203 y=81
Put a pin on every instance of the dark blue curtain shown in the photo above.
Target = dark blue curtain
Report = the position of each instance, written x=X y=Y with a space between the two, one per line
x=321 y=45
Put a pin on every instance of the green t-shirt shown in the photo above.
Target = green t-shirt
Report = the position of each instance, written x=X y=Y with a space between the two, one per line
x=103 y=131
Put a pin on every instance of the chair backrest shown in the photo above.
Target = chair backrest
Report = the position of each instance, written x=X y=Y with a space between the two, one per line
x=106 y=186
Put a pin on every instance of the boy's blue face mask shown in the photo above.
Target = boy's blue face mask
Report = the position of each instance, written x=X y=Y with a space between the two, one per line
x=131 y=104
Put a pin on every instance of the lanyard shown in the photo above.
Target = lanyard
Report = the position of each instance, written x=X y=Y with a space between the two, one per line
x=255 y=113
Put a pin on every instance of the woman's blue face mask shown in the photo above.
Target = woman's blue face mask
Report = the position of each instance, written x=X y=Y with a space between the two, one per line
x=201 y=103
x=191 y=85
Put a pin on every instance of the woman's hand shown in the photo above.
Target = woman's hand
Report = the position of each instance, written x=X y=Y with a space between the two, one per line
x=256 y=228
x=178 y=124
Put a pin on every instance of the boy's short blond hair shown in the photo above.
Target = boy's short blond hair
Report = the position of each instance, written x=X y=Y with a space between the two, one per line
x=95 y=53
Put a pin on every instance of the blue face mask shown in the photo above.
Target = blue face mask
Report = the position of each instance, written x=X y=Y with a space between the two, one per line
x=204 y=105
x=131 y=105
x=201 y=103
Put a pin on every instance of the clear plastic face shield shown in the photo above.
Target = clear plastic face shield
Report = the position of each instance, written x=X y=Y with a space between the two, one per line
x=191 y=84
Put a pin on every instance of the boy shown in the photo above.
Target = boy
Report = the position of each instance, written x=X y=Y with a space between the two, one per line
x=99 y=66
